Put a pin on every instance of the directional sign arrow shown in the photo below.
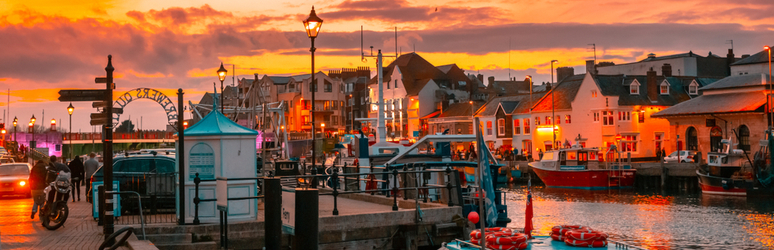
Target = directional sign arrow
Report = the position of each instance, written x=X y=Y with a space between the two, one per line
x=98 y=116
x=97 y=122
x=78 y=95
x=100 y=80
x=98 y=104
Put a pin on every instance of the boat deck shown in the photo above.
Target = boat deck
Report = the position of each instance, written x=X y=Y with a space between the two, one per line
x=544 y=243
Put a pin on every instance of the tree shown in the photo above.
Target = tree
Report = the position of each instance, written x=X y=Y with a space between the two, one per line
x=125 y=127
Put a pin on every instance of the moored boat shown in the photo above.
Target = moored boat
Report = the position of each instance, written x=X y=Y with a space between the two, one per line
x=579 y=168
x=732 y=172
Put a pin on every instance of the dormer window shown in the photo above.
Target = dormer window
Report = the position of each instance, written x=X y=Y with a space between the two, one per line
x=634 y=88
x=693 y=88
x=664 y=88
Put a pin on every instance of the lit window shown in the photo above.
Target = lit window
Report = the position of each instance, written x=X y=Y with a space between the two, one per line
x=501 y=126
x=526 y=126
x=693 y=88
x=664 y=88
x=488 y=127
x=629 y=143
x=634 y=88
x=537 y=121
x=558 y=119
x=567 y=119
x=548 y=120
x=607 y=118
x=516 y=126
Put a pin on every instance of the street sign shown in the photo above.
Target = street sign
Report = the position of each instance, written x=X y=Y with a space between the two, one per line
x=100 y=80
x=97 y=122
x=98 y=116
x=78 y=95
x=98 y=104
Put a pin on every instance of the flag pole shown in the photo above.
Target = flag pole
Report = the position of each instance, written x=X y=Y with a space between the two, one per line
x=479 y=178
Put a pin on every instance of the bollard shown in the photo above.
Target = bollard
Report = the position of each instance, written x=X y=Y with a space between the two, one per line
x=307 y=215
x=395 y=189
x=197 y=180
x=335 y=183
x=273 y=212
x=101 y=204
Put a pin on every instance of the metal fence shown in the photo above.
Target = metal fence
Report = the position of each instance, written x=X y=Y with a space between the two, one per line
x=158 y=193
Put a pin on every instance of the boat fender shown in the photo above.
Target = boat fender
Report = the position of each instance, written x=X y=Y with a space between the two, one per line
x=506 y=240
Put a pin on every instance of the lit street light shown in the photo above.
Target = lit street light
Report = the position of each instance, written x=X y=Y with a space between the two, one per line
x=15 y=121
x=221 y=76
x=70 y=110
x=32 y=128
x=312 y=25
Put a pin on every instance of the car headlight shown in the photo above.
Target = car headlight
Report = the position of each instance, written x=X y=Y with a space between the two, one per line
x=22 y=183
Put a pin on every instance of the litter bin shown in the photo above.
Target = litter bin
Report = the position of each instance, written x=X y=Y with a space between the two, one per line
x=95 y=205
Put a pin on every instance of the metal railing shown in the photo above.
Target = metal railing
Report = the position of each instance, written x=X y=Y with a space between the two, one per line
x=158 y=192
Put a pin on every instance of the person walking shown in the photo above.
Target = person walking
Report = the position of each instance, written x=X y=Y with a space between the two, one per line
x=89 y=167
x=37 y=183
x=540 y=154
x=76 y=166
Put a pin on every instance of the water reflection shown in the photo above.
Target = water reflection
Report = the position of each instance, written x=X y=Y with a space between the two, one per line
x=654 y=220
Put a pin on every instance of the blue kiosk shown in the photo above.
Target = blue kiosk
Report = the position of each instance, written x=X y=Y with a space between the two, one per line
x=218 y=147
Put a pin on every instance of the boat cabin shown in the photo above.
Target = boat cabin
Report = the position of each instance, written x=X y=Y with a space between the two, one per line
x=574 y=158
x=728 y=162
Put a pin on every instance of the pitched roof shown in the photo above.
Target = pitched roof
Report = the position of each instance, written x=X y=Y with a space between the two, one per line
x=760 y=57
x=445 y=68
x=618 y=85
x=415 y=70
x=739 y=81
x=503 y=88
x=414 y=89
x=689 y=54
x=215 y=123
x=719 y=103
x=509 y=106
x=563 y=94
x=514 y=104
x=458 y=109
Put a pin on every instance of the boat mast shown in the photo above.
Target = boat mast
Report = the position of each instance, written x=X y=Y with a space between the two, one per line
x=481 y=204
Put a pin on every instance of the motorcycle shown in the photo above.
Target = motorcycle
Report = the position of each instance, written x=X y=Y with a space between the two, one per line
x=55 y=212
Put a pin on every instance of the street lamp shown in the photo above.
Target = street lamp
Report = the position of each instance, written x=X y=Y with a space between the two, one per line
x=553 y=110
x=221 y=76
x=768 y=99
x=32 y=127
x=15 y=121
x=352 y=111
x=70 y=110
x=312 y=25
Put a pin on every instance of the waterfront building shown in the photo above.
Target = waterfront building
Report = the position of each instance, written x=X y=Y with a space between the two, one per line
x=755 y=64
x=613 y=109
x=355 y=95
x=685 y=64
x=458 y=119
x=735 y=105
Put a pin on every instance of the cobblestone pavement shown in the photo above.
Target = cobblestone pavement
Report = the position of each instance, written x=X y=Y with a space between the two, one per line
x=18 y=231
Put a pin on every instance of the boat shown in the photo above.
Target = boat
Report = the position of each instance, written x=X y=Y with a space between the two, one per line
x=577 y=167
x=539 y=242
x=732 y=172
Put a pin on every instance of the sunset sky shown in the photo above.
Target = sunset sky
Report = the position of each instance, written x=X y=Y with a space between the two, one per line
x=50 y=45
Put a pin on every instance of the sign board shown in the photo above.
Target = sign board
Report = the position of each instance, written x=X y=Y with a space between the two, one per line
x=221 y=191
x=201 y=160
x=78 y=95
x=288 y=216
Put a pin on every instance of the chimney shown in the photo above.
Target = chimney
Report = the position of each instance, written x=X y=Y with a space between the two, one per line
x=589 y=67
x=491 y=81
x=480 y=78
x=666 y=70
x=564 y=72
x=745 y=56
x=652 y=85
x=729 y=60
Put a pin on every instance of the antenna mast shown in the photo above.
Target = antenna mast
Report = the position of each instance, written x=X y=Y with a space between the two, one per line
x=594 y=47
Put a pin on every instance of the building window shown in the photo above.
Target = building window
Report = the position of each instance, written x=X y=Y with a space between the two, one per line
x=596 y=116
x=716 y=136
x=313 y=87
x=328 y=87
x=501 y=126
x=396 y=84
x=693 y=88
x=659 y=139
x=558 y=119
x=624 y=116
x=516 y=127
x=634 y=88
x=526 y=126
x=567 y=119
x=593 y=93
x=665 y=88
x=607 y=118
x=548 y=120
x=388 y=85
x=537 y=121
x=641 y=116
x=629 y=143
x=744 y=138
x=488 y=127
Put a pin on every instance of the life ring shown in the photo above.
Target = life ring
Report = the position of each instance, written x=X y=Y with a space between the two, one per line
x=507 y=240
x=475 y=241
x=585 y=243
x=477 y=233
x=564 y=228
x=557 y=236
x=582 y=235
x=520 y=246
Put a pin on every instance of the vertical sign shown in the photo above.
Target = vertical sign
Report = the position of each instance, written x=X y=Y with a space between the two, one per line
x=288 y=214
x=201 y=160
x=221 y=190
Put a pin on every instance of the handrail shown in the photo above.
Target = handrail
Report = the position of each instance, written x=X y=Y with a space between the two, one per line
x=139 y=202
x=197 y=200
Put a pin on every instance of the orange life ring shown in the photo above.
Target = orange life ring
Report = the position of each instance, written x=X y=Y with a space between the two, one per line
x=520 y=246
x=477 y=233
x=582 y=235
x=557 y=236
x=564 y=228
x=585 y=243
x=506 y=240
x=475 y=241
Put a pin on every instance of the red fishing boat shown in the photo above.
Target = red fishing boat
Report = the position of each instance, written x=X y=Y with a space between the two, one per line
x=579 y=168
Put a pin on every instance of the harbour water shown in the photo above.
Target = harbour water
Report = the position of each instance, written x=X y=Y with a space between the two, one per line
x=652 y=219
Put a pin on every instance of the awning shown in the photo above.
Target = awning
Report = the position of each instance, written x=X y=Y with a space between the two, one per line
x=719 y=103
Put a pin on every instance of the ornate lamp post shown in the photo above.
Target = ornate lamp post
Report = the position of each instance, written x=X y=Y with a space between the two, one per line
x=221 y=76
x=312 y=25
x=553 y=111
x=15 y=121
x=32 y=127
x=352 y=112
x=70 y=110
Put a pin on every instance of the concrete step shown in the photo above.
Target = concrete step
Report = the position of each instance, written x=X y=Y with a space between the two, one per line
x=170 y=238
x=206 y=245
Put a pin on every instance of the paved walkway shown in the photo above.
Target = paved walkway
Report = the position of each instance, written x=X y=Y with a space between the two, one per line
x=18 y=231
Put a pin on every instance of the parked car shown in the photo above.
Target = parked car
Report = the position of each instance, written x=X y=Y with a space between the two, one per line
x=13 y=179
x=151 y=175
x=685 y=156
